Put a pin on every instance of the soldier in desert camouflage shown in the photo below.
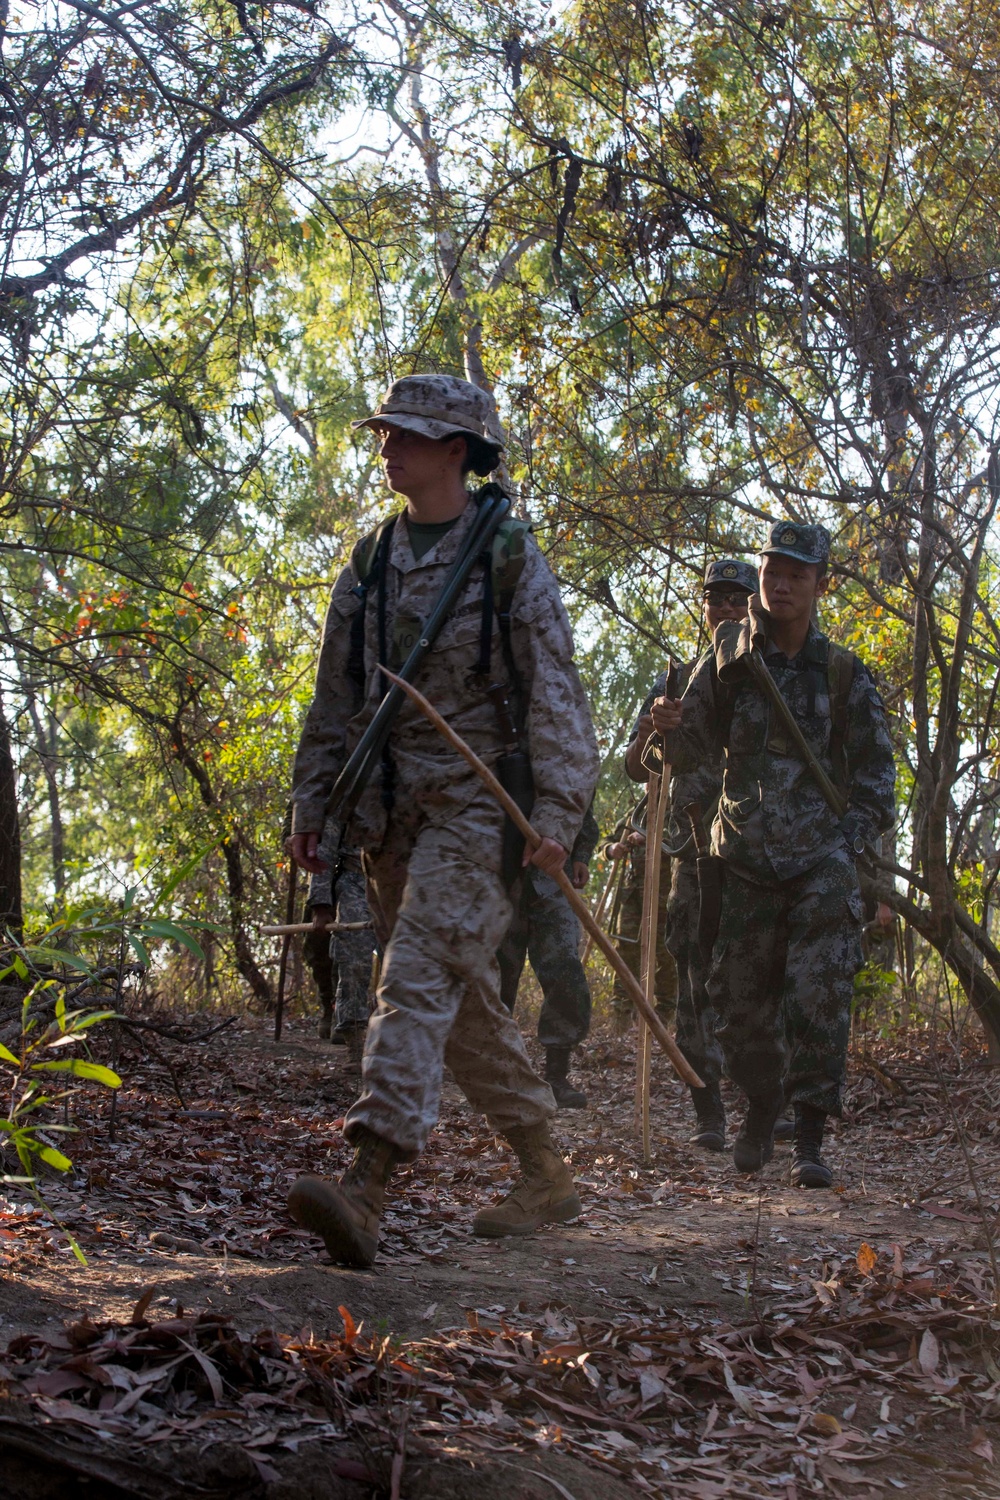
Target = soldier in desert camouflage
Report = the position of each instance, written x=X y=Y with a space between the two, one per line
x=431 y=835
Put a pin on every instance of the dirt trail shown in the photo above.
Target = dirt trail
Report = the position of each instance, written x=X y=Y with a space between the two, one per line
x=192 y=1201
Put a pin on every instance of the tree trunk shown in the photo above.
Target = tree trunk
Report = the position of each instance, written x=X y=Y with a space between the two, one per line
x=235 y=884
x=46 y=748
x=11 y=911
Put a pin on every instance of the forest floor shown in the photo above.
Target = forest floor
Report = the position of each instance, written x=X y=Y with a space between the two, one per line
x=694 y=1333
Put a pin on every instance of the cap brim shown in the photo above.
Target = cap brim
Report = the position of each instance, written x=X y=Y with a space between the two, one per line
x=805 y=557
x=426 y=426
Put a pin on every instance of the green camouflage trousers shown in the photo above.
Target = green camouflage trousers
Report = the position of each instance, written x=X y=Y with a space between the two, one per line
x=546 y=930
x=440 y=909
x=782 y=978
x=341 y=963
x=695 y=1018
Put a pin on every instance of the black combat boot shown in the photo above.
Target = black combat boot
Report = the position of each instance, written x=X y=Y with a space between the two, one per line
x=325 y=1026
x=754 y=1146
x=556 y=1069
x=784 y=1128
x=710 y=1112
x=809 y=1170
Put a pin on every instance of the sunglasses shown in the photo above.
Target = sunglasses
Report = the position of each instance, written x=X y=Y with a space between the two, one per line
x=734 y=601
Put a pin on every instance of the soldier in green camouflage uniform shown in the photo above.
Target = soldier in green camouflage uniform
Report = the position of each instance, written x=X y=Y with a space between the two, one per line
x=431 y=834
x=546 y=930
x=728 y=584
x=341 y=962
x=789 y=941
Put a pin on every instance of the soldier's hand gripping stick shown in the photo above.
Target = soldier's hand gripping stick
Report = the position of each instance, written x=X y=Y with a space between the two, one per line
x=634 y=990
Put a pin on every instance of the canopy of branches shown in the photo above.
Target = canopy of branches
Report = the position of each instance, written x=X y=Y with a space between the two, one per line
x=719 y=263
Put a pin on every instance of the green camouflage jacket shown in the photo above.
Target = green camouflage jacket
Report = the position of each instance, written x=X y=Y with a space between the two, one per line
x=773 y=822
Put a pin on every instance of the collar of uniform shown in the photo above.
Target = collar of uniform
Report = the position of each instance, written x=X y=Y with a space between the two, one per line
x=444 y=550
x=812 y=653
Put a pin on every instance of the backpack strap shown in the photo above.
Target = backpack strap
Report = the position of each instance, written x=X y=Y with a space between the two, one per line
x=369 y=559
x=840 y=664
x=502 y=569
x=506 y=566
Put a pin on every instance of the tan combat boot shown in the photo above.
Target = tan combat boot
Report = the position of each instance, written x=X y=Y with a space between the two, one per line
x=544 y=1192
x=346 y=1214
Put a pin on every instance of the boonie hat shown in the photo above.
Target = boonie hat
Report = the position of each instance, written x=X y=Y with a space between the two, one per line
x=731 y=571
x=808 y=544
x=438 y=406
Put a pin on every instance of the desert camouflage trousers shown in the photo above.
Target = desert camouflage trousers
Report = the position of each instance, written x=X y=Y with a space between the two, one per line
x=440 y=909
x=341 y=964
x=695 y=1017
x=782 y=978
x=546 y=930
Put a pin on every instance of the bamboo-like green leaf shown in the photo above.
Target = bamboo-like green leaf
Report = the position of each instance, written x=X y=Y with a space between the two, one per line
x=52 y=1157
x=186 y=869
x=80 y=1068
x=60 y=956
x=91 y=1018
x=160 y=928
x=7 y=1056
x=141 y=951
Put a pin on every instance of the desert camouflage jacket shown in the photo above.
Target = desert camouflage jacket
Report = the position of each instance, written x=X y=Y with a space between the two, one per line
x=431 y=782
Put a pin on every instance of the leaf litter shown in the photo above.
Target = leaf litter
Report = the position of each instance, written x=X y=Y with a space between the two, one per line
x=820 y=1383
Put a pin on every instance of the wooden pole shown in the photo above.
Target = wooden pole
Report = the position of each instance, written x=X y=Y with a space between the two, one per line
x=657 y=798
x=289 y=929
x=632 y=987
x=600 y=909
x=279 y=1007
x=642 y=1033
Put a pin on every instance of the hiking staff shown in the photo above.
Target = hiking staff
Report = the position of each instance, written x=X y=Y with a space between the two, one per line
x=601 y=907
x=279 y=1005
x=289 y=929
x=533 y=839
x=657 y=800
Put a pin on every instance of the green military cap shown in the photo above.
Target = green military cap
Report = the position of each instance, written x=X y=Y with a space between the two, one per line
x=728 y=572
x=808 y=544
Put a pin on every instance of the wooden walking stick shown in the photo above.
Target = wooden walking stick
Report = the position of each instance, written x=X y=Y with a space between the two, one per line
x=279 y=1007
x=289 y=929
x=657 y=797
x=634 y=990
x=657 y=800
x=600 y=909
